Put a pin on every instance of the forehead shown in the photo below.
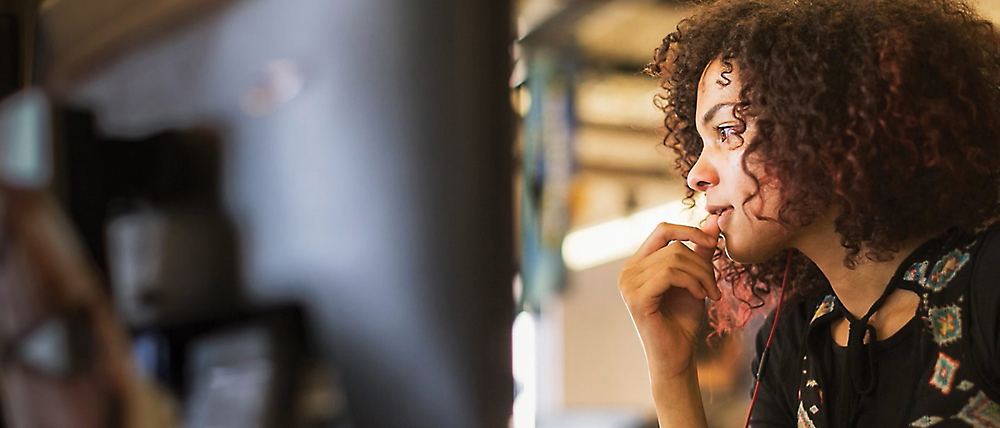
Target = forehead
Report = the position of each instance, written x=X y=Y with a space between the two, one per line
x=718 y=84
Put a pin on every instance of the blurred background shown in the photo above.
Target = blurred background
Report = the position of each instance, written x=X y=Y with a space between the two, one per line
x=590 y=138
x=388 y=213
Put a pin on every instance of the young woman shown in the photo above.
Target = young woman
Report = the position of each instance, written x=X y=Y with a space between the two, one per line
x=849 y=155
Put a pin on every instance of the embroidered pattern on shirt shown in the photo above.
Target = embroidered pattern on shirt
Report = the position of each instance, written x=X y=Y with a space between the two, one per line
x=926 y=421
x=945 y=323
x=803 y=418
x=825 y=307
x=944 y=373
x=945 y=393
x=917 y=273
x=945 y=269
x=981 y=412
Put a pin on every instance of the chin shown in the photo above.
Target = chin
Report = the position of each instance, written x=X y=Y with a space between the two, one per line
x=749 y=252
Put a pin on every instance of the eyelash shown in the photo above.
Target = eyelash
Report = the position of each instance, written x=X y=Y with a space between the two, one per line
x=726 y=131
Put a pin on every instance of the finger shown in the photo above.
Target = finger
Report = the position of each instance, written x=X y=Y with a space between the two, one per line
x=677 y=254
x=696 y=266
x=710 y=228
x=671 y=278
x=666 y=232
x=676 y=257
x=704 y=271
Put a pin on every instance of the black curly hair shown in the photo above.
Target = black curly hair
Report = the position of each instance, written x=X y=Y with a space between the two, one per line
x=887 y=109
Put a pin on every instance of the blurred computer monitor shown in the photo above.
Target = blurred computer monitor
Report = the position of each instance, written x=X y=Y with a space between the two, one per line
x=366 y=166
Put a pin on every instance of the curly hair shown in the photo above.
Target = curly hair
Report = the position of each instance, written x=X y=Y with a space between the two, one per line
x=887 y=109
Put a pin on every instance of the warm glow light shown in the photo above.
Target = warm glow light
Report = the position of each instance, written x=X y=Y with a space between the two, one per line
x=619 y=238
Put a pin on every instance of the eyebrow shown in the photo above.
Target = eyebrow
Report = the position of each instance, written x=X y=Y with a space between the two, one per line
x=710 y=114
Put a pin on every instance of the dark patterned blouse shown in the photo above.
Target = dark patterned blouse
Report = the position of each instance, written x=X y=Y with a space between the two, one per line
x=940 y=370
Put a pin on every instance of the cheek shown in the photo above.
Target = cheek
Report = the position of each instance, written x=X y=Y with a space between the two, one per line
x=764 y=198
x=743 y=179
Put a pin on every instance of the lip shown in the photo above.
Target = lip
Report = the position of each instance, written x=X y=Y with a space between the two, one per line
x=718 y=209
x=722 y=211
x=723 y=215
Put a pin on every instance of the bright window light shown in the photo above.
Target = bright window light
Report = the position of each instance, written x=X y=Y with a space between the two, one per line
x=617 y=239
x=525 y=369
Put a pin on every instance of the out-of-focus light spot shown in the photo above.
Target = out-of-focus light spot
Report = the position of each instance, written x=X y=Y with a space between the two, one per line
x=280 y=82
x=617 y=239
x=25 y=140
x=519 y=74
x=521 y=100
x=525 y=366
x=518 y=288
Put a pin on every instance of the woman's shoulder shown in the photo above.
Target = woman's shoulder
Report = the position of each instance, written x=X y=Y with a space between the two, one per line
x=979 y=295
x=990 y=241
x=986 y=264
x=984 y=306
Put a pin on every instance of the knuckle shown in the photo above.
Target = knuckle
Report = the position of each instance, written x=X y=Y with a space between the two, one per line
x=676 y=248
x=670 y=272
x=623 y=280
x=663 y=227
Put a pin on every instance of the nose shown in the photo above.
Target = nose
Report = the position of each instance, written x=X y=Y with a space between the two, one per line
x=702 y=175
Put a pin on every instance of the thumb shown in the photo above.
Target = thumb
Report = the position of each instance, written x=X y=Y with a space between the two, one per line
x=711 y=228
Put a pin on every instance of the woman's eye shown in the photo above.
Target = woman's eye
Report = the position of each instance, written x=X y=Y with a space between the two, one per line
x=730 y=135
x=726 y=131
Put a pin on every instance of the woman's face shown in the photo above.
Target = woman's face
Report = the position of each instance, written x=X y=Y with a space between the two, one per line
x=748 y=212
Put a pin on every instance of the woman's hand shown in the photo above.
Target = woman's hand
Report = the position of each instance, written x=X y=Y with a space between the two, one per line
x=664 y=285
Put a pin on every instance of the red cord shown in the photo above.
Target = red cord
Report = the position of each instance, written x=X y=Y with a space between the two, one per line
x=767 y=345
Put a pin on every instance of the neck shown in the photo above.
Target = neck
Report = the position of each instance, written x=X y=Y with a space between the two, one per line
x=860 y=287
